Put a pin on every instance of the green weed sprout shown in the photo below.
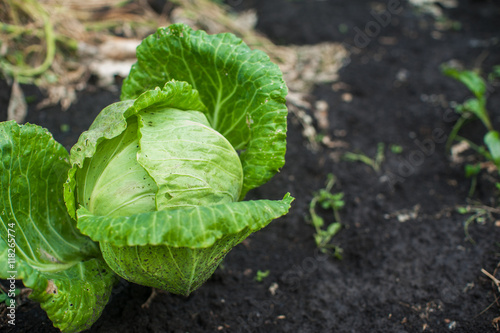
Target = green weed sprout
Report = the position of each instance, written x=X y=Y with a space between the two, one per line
x=475 y=107
x=327 y=200
x=375 y=163
x=261 y=275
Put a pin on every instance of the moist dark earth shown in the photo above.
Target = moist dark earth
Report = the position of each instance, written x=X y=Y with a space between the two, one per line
x=408 y=265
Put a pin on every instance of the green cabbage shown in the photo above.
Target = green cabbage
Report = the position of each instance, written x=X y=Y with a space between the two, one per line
x=154 y=188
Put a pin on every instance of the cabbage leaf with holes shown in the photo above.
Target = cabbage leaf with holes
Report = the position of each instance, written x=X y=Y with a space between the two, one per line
x=154 y=191
x=39 y=241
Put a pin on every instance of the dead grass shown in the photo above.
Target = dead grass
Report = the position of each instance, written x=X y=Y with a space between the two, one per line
x=59 y=44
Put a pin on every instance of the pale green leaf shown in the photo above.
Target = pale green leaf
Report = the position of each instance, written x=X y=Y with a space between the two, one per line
x=177 y=249
x=193 y=227
x=192 y=164
x=179 y=270
x=112 y=121
x=473 y=81
x=492 y=141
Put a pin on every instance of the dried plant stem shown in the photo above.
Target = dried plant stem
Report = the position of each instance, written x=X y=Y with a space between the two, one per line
x=34 y=9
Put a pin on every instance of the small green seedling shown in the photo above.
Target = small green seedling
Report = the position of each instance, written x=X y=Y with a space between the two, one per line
x=475 y=107
x=261 y=275
x=396 y=149
x=471 y=171
x=375 y=163
x=480 y=214
x=65 y=128
x=327 y=200
x=495 y=73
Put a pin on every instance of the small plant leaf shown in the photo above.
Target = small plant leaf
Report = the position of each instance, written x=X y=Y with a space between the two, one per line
x=495 y=73
x=492 y=141
x=477 y=108
x=470 y=79
x=396 y=149
x=333 y=229
x=317 y=221
x=472 y=170
x=261 y=275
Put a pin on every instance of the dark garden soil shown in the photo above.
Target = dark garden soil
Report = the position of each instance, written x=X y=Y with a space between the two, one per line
x=407 y=264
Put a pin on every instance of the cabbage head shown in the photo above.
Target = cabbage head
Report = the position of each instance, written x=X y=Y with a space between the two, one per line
x=153 y=192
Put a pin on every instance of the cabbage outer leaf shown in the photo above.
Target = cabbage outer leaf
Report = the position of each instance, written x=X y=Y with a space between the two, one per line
x=193 y=227
x=243 y=91
x=73 y=298
x=177 y=249
x=34 y=168
x=63 y=267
